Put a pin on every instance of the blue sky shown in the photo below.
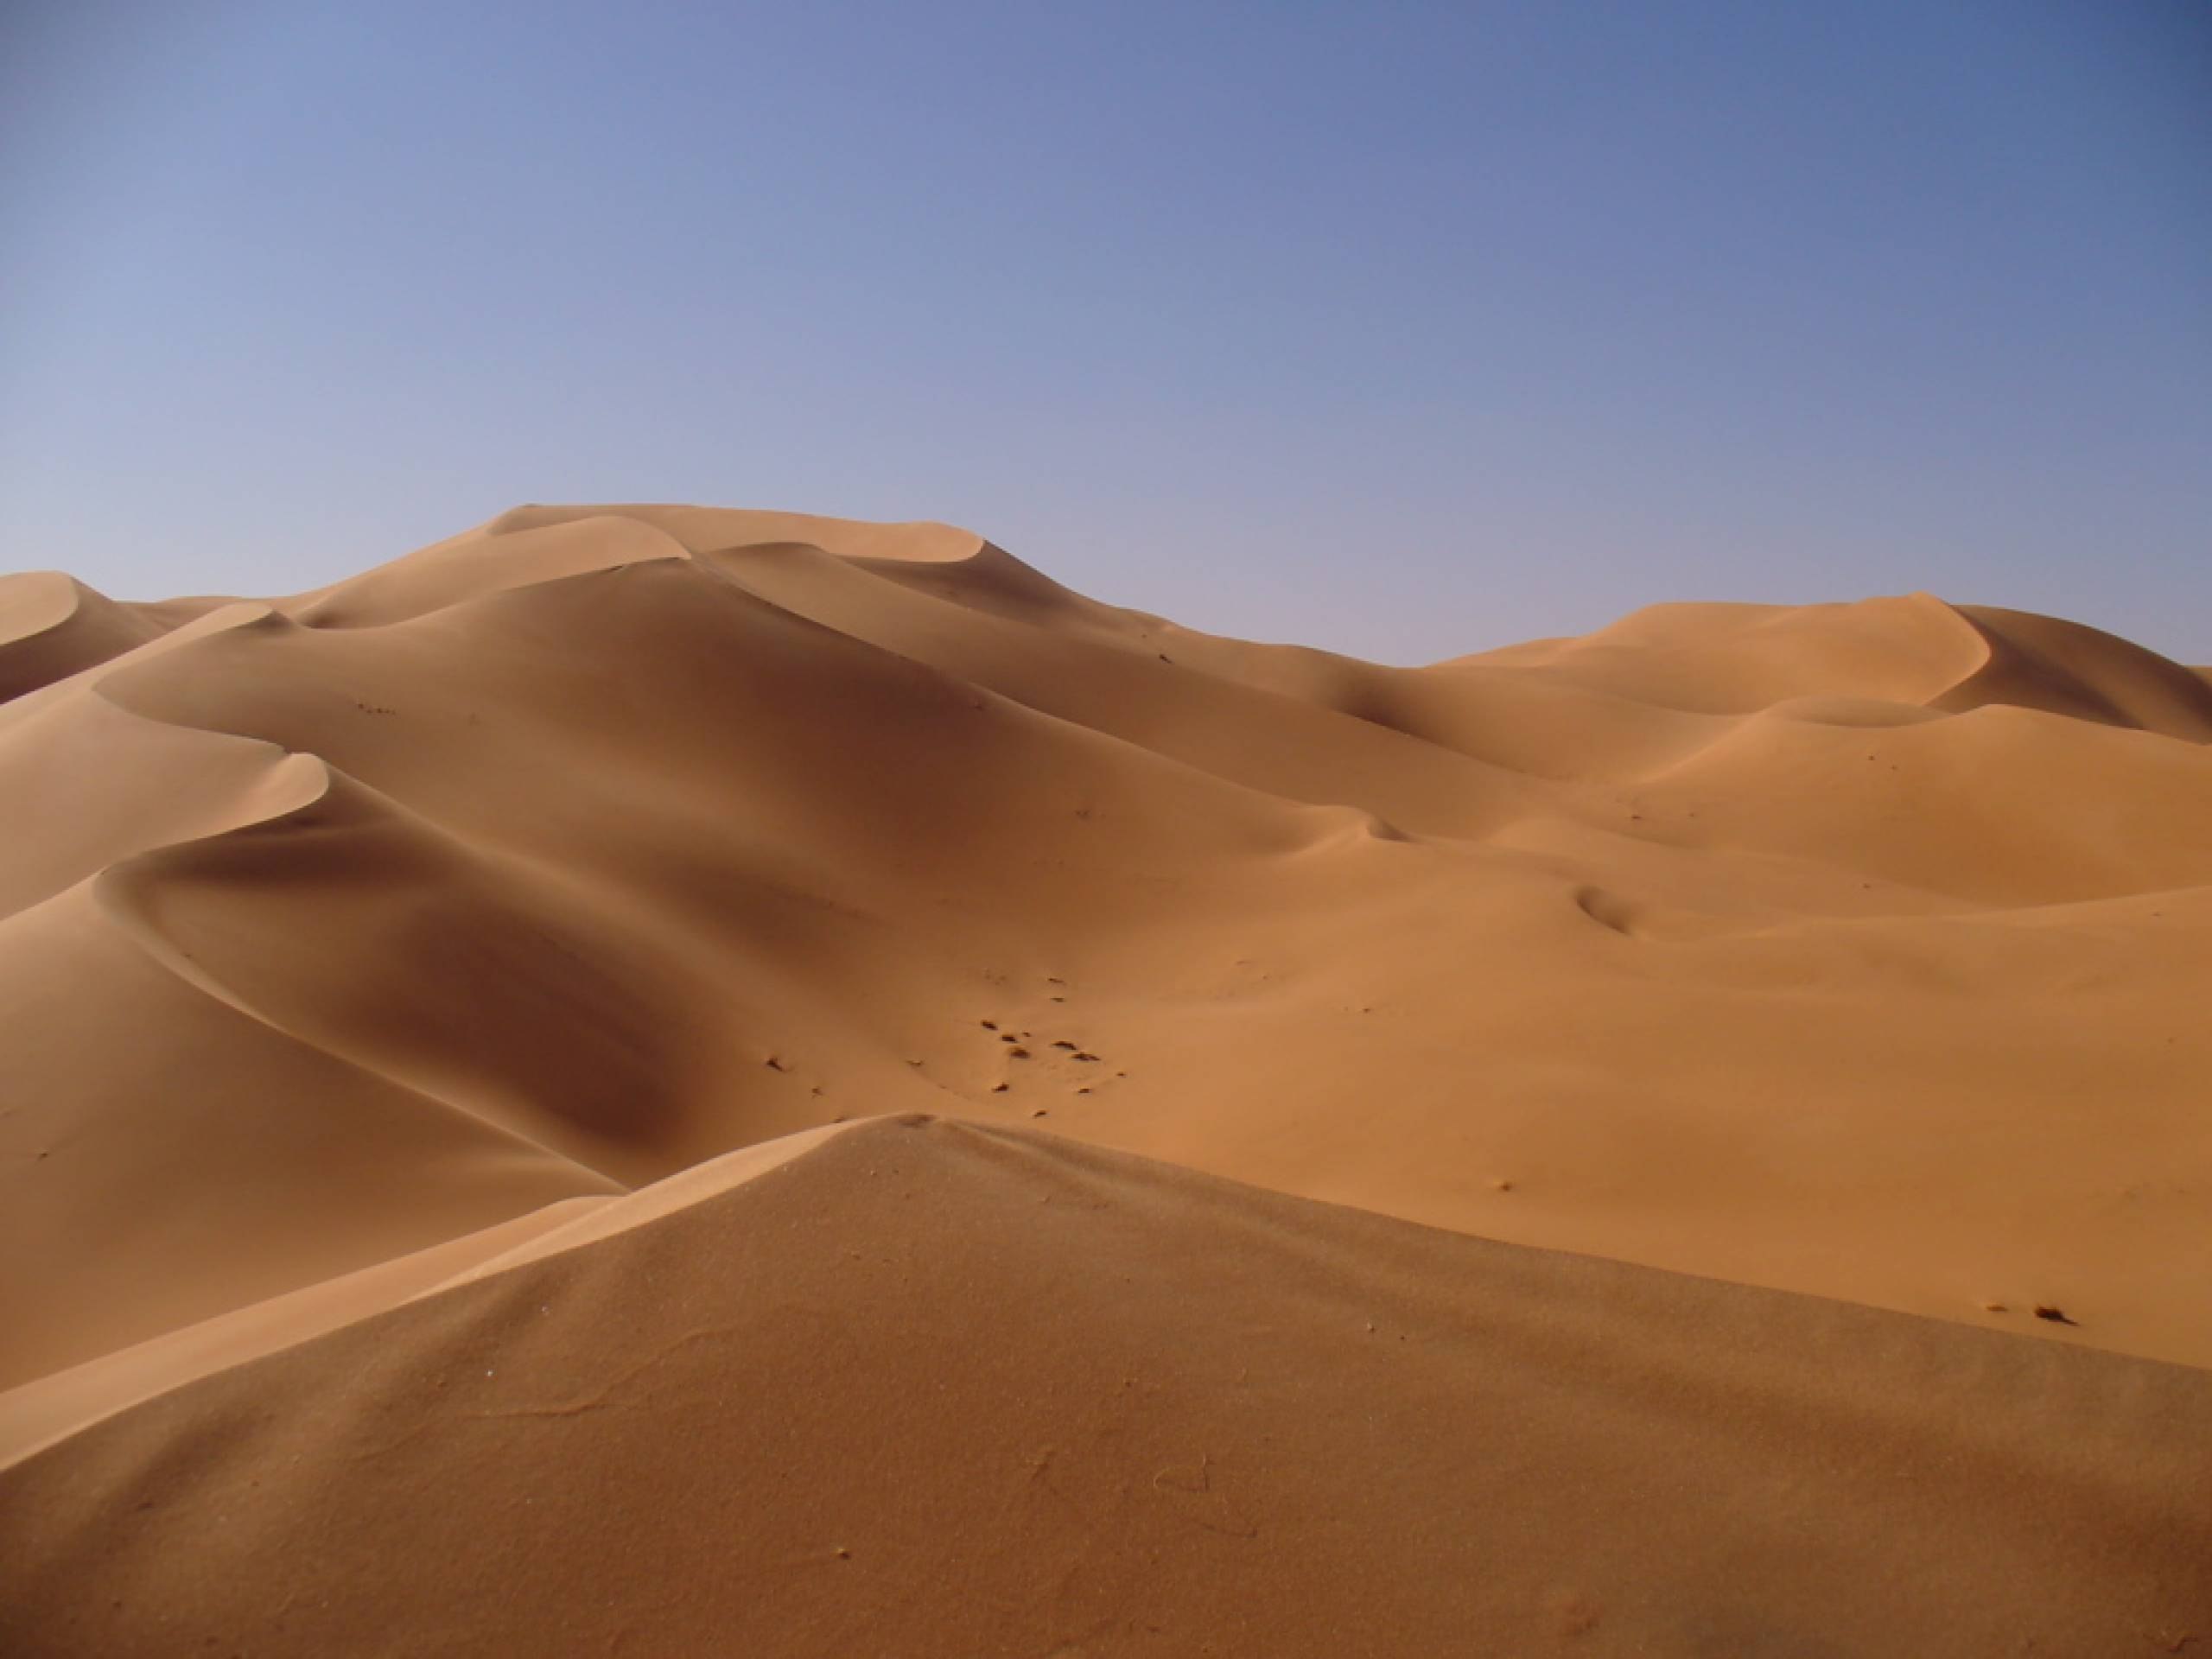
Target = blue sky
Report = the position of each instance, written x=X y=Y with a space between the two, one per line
x=1404 y=330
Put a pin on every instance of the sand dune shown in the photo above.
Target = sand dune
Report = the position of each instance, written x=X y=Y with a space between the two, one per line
x=937 y=1388
x=1855 y=950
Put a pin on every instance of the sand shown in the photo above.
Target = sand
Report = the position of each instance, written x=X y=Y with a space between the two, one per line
x=1698 y=1050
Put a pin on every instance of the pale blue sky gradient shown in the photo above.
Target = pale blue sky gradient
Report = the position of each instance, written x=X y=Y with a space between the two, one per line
x=1404 y=330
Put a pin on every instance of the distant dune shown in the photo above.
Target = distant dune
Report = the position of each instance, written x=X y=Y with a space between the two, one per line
x=441 y=1008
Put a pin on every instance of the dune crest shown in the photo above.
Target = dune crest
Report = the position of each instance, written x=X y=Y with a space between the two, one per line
x=947 y=1388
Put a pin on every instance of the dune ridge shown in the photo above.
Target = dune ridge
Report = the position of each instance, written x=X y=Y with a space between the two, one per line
x=785 y=1415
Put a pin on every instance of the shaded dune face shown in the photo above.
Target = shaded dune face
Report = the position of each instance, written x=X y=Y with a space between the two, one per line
x=1857 y=949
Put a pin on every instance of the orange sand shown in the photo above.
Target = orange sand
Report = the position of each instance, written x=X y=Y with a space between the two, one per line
x=381 y=964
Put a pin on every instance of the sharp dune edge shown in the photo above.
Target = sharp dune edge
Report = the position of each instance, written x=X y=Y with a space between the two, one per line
x=665 y=1079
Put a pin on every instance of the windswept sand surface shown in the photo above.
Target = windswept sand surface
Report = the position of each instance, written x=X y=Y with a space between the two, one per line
x=440 y=1009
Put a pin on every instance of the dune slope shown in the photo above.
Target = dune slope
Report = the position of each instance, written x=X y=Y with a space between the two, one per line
x=931 y=1388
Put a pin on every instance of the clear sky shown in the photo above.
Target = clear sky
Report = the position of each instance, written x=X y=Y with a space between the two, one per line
x=1404 y=330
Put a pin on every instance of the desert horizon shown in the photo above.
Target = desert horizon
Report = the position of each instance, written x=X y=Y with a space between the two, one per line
x=705 y=1077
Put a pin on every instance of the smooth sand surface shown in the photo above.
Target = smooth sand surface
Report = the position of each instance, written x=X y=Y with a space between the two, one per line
x=936 y=1387
x=375 y=958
